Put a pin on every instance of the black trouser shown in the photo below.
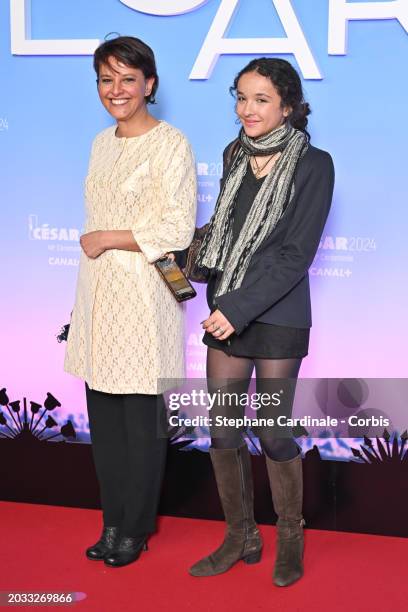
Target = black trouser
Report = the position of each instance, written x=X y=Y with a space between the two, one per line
x=129 y=457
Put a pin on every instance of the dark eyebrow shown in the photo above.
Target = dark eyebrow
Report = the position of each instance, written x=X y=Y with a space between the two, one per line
x=124 y=75
x=240 y=93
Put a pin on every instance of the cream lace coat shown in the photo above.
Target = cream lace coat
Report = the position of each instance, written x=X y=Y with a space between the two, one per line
x=126 y=333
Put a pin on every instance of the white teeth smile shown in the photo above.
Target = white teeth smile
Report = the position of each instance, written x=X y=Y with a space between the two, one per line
x=118 y=102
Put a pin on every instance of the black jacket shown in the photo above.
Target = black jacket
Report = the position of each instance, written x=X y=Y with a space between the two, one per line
x=275 y=288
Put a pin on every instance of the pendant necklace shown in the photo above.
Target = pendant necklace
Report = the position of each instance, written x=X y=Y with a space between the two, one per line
x=258 y=169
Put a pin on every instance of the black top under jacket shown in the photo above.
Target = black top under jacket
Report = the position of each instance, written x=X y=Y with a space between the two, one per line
x=275 y=288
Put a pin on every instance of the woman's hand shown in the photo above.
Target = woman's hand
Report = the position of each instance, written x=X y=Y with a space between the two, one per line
x=93 y=244
x=218 y=325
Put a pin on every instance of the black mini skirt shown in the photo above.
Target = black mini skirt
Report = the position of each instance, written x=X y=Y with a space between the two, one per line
x=264 y=341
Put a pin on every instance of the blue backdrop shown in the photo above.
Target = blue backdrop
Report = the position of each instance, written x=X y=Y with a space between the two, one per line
x=50 y=112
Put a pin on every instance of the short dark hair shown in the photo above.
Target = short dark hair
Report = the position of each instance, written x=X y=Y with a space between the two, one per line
x=288 y=85
x=132 y=52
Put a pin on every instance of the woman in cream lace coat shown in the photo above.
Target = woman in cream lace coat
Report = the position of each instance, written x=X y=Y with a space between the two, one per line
x=126 y=333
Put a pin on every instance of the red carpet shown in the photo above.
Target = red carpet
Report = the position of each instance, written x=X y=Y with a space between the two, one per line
x=42 y=550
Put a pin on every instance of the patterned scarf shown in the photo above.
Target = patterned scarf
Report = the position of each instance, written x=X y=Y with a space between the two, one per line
x=268 y=206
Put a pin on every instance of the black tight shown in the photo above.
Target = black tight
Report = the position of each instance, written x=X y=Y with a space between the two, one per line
x=229 y=374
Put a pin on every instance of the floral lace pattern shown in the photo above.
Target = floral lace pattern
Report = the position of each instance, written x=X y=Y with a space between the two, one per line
x=126 y=333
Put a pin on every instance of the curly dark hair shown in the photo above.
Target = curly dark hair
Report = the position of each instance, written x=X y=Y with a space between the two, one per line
x=132 y=52
x=287 y=82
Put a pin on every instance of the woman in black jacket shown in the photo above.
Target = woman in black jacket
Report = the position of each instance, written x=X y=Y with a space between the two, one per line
x=275 y=196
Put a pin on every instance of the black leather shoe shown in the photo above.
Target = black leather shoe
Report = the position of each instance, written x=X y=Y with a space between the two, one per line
x=105 y=545
x=127 y=551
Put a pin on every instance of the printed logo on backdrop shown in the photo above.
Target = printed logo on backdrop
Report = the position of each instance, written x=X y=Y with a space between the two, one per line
x=61 y=241
x=209 y=174
x=209 y=169
x=337 y=255
x=216 y=42
x=196 y=355
x=164 y=7
x=3 y=124
x=204 y=198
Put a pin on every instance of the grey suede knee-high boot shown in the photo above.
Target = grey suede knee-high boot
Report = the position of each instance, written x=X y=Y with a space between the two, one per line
x=286 y=482
x=233 y=474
